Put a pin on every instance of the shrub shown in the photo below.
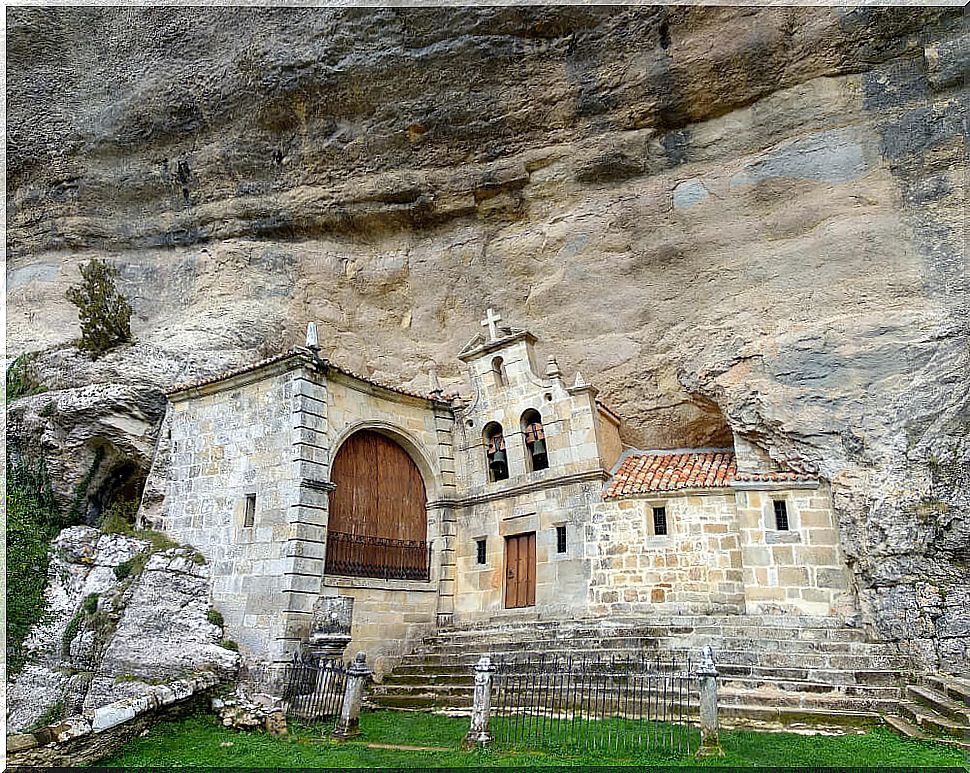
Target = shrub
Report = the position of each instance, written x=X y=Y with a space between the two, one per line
x=132 y=567
x=215 y=617
x=54 y=714
x=229 y=644
x=90 y=603
x=104 y=312
x=32 y=521
x=48 y=410
x=21 y=380
x=70 y=632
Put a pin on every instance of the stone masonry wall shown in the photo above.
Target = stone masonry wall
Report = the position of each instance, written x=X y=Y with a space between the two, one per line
x=225 y=446
x=695 y=568
x=562 y=579
x=799 y=570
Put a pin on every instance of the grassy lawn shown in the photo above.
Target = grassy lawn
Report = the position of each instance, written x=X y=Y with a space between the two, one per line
x=201 y=740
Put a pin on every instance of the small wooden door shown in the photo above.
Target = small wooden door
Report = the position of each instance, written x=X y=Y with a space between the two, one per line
x=520 y=571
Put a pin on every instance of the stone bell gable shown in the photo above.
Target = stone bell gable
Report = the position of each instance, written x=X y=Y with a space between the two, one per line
x=513 y=400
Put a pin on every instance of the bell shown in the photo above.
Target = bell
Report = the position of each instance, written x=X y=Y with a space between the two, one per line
x=497 y=460
x=539 y=448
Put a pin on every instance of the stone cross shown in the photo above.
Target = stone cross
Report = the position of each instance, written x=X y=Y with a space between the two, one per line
x=490 y=319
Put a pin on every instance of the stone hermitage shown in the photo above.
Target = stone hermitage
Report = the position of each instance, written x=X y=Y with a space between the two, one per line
x=391 y=497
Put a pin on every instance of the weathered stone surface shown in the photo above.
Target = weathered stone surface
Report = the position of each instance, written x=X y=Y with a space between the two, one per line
x=148 y=628
x=386 y=171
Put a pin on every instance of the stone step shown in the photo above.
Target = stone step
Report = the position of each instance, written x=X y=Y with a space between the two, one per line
x=866 y=677
x=931 y=722
x=651 y=645
x=444 y=693
x=904 y=727
x=787 y=715
x=822 y=688
x=953 y=687
x=746 y=657
x=940 y=703
x=650 y=631
x=517 y=620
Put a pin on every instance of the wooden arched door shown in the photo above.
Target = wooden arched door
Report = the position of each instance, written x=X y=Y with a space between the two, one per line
x=378 y=523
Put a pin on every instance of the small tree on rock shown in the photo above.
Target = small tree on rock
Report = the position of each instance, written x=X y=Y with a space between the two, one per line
x=104 y=312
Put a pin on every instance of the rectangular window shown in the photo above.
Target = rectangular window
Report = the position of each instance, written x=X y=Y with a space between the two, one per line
x=660 y=521
x=250 y=515
x=480 y=551
x=781 y=515
x=560 y=539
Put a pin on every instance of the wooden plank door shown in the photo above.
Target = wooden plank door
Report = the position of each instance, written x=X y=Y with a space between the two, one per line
x=520 y=571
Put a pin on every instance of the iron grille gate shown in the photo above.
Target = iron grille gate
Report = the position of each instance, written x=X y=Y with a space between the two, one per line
x=314 y=688
x=596 y=703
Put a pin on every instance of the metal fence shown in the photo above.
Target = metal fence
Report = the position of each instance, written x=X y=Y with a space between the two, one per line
x=313 y=688
x=632 y=703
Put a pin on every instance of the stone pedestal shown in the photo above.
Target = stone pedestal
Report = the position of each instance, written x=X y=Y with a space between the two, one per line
x=348 y=725
x=478 y=734
x=707 y=673
x=330 y=627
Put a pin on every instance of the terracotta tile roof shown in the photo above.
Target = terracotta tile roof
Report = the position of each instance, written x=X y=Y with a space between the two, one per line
x=640 y=473
x=297 y=352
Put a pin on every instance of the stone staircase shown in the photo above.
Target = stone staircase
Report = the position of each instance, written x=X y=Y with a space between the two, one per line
x=774 y=668
x=937 y=707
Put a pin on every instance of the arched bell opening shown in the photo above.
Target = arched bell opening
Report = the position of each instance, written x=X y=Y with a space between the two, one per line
x=496 y=456
x=536 y=456
x=378 y=521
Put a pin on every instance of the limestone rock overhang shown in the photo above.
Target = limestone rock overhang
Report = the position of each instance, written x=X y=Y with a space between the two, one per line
x=292 y=359
x=690 y=471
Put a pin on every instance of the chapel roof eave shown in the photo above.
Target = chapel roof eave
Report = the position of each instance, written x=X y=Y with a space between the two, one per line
x=296 y=356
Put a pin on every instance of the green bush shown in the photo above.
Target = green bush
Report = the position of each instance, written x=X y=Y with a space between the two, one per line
x=215 y=617
x=48 y=410
x=32 y=521
x=229 y=644
x=90 y=603
x=71 y=631
x=21 y=380
x=104 y=312
x=132 y=567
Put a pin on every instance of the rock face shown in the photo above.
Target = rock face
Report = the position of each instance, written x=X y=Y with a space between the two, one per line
x=107 y=638
x=747 y=218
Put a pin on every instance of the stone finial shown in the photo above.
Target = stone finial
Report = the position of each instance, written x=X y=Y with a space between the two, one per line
x=552 y=369
x=311 y=337
x=435 y=391
x=580 y=382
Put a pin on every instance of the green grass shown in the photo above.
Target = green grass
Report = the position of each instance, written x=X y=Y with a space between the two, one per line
x=199 y=740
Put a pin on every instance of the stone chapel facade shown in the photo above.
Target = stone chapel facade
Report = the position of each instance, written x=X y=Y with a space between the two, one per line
x=296 y=478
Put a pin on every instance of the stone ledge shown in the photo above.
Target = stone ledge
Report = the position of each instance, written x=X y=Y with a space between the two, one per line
x=93 y=723
x=374 y=583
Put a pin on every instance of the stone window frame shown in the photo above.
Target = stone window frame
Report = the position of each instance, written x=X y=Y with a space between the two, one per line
x=769 y=513
x=249 y=510
x=652 y=504
x=562 y=539
x=481 y=550
x=500 y=377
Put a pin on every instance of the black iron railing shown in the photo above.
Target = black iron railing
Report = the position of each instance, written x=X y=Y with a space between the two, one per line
x=595 y=703
x=356 y=555
x=314 y=687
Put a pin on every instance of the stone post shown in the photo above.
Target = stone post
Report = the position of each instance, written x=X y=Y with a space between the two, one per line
x=348 y=725
x=707 y=672
x=481 y=705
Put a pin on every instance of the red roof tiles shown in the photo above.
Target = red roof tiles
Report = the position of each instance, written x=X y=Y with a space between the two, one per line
x=642 y=473
x=657 y=471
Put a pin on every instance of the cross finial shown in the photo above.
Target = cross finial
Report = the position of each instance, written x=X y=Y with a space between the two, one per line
x=491 y=317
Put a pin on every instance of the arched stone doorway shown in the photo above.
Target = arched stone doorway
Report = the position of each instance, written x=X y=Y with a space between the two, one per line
x=378 y=523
